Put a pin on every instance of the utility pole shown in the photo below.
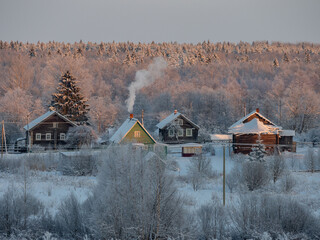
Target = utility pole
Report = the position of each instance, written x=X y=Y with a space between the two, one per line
x=27 y=140
x=2 y=137
x=224 y=175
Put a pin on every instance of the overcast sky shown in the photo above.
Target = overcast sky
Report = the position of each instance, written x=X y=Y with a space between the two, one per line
x=160 y=20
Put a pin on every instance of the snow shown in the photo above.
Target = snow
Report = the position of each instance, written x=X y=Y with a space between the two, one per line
x=249 y=115
x=51 y=188
x=123 y=130
x=255 y=126
x=221 y=137
x=287 y=133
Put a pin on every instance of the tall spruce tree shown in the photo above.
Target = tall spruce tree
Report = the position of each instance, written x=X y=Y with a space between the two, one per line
x=68 y=100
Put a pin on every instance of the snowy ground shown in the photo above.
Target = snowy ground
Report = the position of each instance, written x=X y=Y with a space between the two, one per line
x=52 y=187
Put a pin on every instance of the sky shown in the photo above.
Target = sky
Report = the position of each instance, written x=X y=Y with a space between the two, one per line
x=183 y=21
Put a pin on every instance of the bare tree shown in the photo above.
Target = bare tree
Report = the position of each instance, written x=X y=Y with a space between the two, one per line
x=276 y=166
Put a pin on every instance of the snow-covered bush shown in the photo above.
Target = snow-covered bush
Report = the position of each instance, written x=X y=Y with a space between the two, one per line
x=276 y=165
x=287 y=182
x=80 y=136
x=234 y=177
x=212 y=221
x=199 y=170
x=255 y=174
x=311 y=160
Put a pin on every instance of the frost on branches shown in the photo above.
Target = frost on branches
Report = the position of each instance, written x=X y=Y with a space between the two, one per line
x=68 y=100
x=258 y=152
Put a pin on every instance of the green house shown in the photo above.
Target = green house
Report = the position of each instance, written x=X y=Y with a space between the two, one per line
x=132 y=131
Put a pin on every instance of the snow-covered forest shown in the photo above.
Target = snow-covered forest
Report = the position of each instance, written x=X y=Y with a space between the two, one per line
x=213 y=83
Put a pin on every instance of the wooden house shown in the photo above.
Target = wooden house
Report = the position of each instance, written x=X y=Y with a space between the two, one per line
x=191 y=149
x=48 y=130
x=132 y=131
x=177 y=128
x=253 y=126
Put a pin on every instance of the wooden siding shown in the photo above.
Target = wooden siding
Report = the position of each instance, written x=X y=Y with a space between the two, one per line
x=144 y=137
x=47 y=126
x=244 y=143
x=164 y=133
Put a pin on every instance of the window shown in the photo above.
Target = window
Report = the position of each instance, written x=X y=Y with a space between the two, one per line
x=189 y=132
x=180 y=132
x=136 y=134
x=55 y=125
x=171 y=133
x=38 y=136
x=48 y=136
x=180 y=122
x=62 y=136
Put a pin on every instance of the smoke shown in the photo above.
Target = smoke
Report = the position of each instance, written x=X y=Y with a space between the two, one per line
x=144 y=78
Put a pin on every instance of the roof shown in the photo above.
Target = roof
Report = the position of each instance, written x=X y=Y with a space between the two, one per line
x=221 y=137
x=249 y=115
x=171 y=118
x=255 y=126
x=287 y=133
x=43 y=117
x=191 y=145
x=123 y=130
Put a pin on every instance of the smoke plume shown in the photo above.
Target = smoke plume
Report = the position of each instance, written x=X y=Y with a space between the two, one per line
x=144 y=78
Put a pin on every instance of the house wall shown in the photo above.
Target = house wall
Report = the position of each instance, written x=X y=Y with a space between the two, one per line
x=164 y=134
x=286 y=143
x=47 y=127
x=244 y=143
x=144 y=137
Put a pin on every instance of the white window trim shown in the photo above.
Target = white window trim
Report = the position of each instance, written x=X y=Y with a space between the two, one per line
x=62 y=136
x=38 y=136
x=189 y=129
x=55 y=125
x=171 y=131
x=48 y=136
x=179 y=133
x=180 y=121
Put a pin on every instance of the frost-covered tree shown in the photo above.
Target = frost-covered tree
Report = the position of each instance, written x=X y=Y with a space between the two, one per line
x=258 y=152
x=69 y=101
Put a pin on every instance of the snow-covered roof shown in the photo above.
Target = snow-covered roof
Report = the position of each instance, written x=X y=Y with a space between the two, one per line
x=249 y=115
x=125 y=128
x=43 y=117
x=255 y=126
x=171 y=118
x=221 y=137
x=287 y=133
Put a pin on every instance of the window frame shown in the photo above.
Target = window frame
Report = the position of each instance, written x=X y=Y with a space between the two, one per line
x=48 y=138
x=64 y=136
x=38 y=136
x=179 y=131
x=171 y=131
x=191 y=134
x=180 y=121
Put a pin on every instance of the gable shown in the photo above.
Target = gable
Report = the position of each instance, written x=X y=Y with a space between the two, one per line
x=52 y=120
x=172 y=117
x=260 y=118
x=138 y=134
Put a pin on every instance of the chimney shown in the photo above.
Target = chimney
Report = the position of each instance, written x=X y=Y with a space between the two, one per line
x=131 y=115
x=257 y=110
x=175 y=111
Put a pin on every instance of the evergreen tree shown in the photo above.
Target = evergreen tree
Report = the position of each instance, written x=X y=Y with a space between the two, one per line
x=258 y=152
x=68 y=100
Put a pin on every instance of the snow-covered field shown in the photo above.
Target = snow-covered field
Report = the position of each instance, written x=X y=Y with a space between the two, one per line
x=51 y=187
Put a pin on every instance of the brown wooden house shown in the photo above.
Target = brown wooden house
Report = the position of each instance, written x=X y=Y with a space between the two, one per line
x=247 y=131
x=177 y=128
x=48 y=130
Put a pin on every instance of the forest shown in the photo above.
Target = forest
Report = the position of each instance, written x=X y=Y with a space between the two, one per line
x=214 y=84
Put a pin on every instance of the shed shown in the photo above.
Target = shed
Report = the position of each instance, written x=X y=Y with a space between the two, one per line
x=191 y=149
